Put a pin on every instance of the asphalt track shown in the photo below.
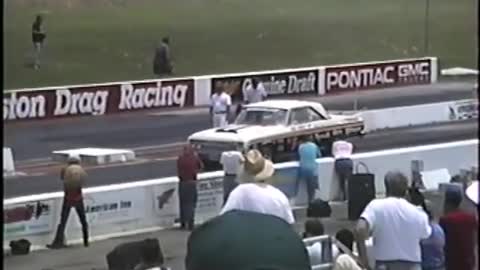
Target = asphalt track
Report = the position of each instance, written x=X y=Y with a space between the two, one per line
x=163 y=129
x=150 y=168
x=36 y=140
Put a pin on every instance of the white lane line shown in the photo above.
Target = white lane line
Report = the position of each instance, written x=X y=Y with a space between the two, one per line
x=165 y=159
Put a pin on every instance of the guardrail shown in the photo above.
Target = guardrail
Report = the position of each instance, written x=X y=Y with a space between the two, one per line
x=129 y=96
x=324 y=240
x=153 y=204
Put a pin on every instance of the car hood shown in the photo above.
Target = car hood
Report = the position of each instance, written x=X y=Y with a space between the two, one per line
x=237 y=133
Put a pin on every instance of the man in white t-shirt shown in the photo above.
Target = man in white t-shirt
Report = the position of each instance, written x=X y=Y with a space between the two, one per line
x=231 y=162
x=220 y=103
x=258 y=195
x=342 y=152
x=396 y=225
x=255 y=92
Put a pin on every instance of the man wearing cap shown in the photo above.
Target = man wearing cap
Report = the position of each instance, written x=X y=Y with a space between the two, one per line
x=460 y=230
x=255 y=193
x=241 y=240
x=396 y=225
x=73 y=177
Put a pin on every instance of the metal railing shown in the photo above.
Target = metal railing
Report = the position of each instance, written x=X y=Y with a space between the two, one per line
x=327 y=259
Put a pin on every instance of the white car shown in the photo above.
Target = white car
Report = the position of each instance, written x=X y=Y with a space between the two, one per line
x=273 y=127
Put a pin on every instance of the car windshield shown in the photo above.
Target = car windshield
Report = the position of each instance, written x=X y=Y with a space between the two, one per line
x=261 y=116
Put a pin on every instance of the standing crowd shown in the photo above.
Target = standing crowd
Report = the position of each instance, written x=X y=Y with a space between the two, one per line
x=255 y=227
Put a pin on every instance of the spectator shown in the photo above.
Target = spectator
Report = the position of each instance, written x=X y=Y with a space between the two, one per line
x=433 y=257
x=345 y=261
x=317 y=251
x=308 y=153
x=255 y=92
x=73 y=177
x=258 y=196
x=460 y=233
x=38 y=36
x=396 y=225
x=188 y=166
x=151 y=256
x=231 y=162
x=239 y=240
x=162 y=63
x=220 y=107
x=342 y=151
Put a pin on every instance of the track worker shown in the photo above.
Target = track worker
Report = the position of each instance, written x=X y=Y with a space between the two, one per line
x=342 y=152
x=220 y=103
x=73 y=177
x=38 y=37
x=254 y=92
x=162 y=63
x=188 y=166
x=308 y=152
x=232 y=162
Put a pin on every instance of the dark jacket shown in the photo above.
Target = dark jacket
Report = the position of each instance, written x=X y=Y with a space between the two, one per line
x=161 y=62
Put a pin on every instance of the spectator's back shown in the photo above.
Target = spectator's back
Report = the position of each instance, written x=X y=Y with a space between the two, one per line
x=397 y=228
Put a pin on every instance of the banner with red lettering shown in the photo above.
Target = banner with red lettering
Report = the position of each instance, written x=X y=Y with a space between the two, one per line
x=97 y=99
x=377 y=75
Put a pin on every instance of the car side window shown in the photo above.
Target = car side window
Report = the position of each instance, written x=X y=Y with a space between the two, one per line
x=304 y=115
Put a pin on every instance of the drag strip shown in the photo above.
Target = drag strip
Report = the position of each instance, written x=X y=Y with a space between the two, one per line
x=36 y=140
x=157 y=165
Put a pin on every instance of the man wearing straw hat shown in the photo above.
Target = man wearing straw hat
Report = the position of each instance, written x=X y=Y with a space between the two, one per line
x=255 y=193
x=73 y=177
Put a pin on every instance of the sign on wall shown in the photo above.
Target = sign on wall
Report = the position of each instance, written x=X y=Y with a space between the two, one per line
x=377 y=75
x=114 y=206
x=29 y=218
x=210 y=198
x=277 y=84
x=165 y=203
x=97 y=100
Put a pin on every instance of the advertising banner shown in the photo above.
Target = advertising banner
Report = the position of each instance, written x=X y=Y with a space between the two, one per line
x=165 y=203
x=277 y=84
x=28 y=218
x=116 y=206
x=97 y=100
x=377 y=75
x=210 y=198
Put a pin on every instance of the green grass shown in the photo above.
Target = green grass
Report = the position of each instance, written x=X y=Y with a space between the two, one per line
x=96 y=41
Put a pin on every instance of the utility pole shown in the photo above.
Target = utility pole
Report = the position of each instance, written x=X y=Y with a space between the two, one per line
x=426 y=29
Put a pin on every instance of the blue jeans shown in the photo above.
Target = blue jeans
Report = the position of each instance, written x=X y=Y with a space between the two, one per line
x=310 y=178
x=344 y=170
